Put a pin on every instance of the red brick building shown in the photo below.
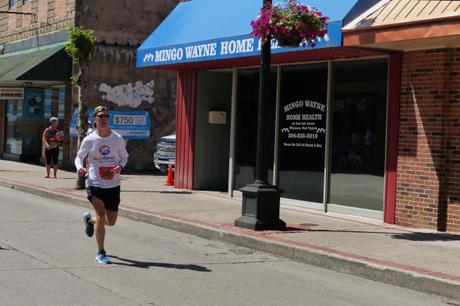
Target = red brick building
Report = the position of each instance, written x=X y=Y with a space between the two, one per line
x=427 y=35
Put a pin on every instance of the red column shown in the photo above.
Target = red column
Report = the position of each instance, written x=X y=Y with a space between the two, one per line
x=395 y=70
x=185 y=128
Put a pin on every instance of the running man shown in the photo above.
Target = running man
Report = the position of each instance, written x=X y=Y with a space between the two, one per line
x=50 y=139
x=107 y=156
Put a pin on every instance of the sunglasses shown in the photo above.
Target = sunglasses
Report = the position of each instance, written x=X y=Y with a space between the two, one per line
x=103 y=116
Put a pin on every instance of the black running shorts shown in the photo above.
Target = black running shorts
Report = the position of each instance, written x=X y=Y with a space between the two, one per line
x=110 y=196
x=51 y=156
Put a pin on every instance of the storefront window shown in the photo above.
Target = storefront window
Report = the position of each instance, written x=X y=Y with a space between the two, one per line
x=246 y=127
x=53 y=104
x=358 y=134
x=13 y=130
x=26 y=120
x=302 y=132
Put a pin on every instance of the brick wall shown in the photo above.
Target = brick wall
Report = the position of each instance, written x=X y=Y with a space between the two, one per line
x=114 y=68
x=50 y=16
x=120 y=27
x=453 y=142
x=124 y=23
x=428 y=186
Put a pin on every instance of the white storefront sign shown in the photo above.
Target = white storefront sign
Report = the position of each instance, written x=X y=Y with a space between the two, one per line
x=11 y=93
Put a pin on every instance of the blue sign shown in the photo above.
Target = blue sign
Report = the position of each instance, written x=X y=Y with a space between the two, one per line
x=129 y=124
x=225 y=48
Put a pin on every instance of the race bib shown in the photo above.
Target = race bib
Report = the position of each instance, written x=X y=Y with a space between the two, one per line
x=106 y=173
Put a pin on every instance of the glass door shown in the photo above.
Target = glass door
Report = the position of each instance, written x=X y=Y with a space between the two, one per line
x=303 y=132
x=246 y=127
x=358 y=134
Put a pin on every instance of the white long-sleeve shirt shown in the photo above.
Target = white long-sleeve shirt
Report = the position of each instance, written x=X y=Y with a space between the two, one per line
x=103 y=154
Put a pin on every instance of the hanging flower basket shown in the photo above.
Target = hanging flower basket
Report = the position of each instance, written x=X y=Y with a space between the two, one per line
x=291 y=40
x=290 y=24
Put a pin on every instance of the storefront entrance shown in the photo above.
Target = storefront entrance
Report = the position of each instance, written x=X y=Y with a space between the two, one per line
x=329 y=138
x=26 y=119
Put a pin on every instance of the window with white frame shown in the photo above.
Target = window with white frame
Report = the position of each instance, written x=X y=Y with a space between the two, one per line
x=13 y=3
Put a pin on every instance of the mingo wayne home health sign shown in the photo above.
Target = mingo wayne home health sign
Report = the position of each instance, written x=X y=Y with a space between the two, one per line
x=225 y=48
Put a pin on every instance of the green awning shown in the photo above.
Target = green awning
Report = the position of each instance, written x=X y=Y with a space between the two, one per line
x=48 y=63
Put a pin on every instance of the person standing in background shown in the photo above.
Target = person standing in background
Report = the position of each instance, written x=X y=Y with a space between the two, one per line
x=51 y=138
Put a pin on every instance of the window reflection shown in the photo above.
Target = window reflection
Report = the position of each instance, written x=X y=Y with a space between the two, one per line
x=358 y=134
x=13 y=137
x=246 y=127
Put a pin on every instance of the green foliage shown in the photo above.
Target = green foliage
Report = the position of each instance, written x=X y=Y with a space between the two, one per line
x=80 y=44
x=75 y=78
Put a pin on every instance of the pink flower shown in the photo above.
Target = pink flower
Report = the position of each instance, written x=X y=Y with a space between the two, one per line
x=289 y=21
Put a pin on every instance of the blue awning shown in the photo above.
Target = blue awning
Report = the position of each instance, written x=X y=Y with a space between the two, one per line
x=204 y=30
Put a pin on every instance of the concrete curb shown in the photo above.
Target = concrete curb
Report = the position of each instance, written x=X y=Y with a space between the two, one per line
x=361 y=268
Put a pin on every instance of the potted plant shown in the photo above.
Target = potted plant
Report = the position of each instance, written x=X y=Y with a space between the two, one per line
x=290 y=24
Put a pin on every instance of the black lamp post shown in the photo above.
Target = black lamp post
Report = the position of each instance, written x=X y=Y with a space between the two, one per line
x=261 y=201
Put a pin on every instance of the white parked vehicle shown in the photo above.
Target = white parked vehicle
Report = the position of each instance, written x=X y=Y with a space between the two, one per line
x=164 y=153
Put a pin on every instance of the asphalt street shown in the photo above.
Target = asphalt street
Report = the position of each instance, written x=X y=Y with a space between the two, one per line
x=46 y=259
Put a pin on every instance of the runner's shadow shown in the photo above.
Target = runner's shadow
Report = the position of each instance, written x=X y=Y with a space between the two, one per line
x=427 y=237
x=146 y=265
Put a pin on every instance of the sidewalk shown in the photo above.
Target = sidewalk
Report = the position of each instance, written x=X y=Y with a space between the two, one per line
x=417 y=259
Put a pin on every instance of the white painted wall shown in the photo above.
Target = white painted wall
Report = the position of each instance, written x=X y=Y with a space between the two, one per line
x=129 y=94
